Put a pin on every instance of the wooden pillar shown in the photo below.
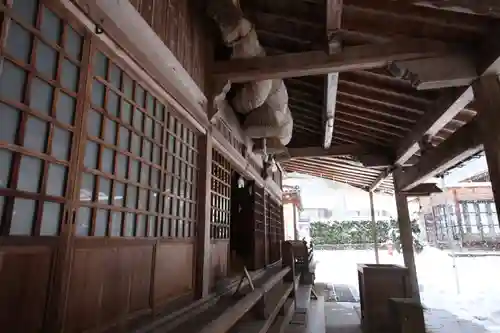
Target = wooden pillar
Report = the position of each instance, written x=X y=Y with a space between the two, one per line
x=374 y=227
x=295 y=230
x=487 y=94
x=406 y=236
x=203 y=224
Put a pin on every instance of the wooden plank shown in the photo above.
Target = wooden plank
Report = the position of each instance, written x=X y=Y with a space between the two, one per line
x=487 y=91
x=465 y=142
x=444 y=110
x=203 y=263
x=405 y=230
x=436 y=73
x=317 y=62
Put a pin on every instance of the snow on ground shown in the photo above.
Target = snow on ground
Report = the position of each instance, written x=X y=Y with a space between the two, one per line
x=464 y=299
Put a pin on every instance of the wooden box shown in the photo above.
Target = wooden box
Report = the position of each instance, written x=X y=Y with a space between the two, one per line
x=377 y=284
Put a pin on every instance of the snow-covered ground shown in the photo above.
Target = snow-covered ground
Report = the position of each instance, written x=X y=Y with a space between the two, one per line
x=464 y=299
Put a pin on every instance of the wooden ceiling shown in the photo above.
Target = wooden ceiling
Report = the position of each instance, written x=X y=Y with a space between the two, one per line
x=372 y=106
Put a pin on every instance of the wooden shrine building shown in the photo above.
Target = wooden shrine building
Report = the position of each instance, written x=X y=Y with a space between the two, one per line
x=131 y=189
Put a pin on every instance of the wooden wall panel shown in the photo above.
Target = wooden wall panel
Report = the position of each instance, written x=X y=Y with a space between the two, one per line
x=181 y=26
x=173 y=271
x=24 y=281
x=219 y=257
x=108 y=284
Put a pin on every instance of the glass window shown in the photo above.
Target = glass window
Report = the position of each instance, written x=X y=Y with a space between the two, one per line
x=65 y=110
x=9 y=124
x=12 y=81
x=5 y=165
x=129 y=224
x=131 y=198
x=26 y=10
x=41 y=96
x=97 y=93
x=35 y=134
x=69 y=79
x=101 y=222
x=141 y=226
x=107 y=160
x=94 y=123
x=100 y=65
x=19 y=43
x=46 y=59
x=51 y=26
x=121 y=165
x=73 y=43
x=112 y=103
x=134 y=170
x=115 y=76
x=110 y=134
x=119 y=195
x=139 y=95
x=104 y=190
x=22 y=218
x=138 y=120
x=51 y=219
x=91 y=154
x=83 y=221
x=116 y=224
x=87 y=187
x=124 y=138
x=126 y=112
x=61 y=143
x=30 y=172
x=127 y=86
x=56 y=181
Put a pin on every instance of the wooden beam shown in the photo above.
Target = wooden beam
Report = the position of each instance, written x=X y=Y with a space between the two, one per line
x=436 y=73
x=423 y=189
x=333 y=24
x=317 y=62
x=462 y=144
x=487 y=90
x=442 y=112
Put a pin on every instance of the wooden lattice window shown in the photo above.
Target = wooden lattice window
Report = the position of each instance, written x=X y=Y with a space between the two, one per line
x=259 y=228
x=220 y=216
x=275 y=228
x=39 y=80
x=139 y=167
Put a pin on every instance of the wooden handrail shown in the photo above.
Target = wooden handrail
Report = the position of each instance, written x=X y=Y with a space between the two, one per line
x=224 y=322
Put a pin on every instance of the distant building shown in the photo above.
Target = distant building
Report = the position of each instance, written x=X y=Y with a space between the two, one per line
x=464 y=213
